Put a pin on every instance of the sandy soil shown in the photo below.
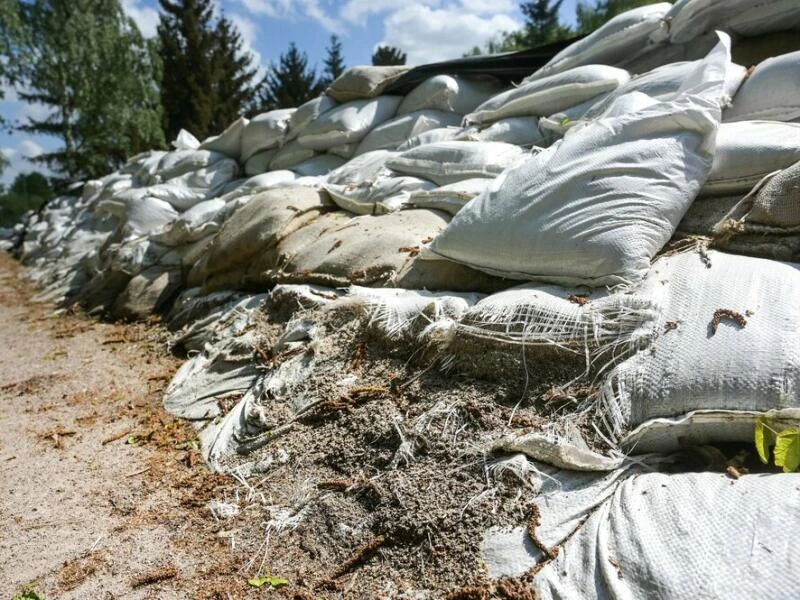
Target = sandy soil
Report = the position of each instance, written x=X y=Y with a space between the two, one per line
x=102 y=490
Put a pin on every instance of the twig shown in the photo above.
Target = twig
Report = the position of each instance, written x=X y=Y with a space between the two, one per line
x=115 y=437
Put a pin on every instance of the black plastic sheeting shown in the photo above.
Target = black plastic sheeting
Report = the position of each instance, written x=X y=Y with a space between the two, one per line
x=511 y=67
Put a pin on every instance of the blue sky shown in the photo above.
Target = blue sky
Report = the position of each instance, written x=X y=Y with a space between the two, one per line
x=427 y=30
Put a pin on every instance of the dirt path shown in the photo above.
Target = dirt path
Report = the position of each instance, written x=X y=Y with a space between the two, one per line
x=102 y=490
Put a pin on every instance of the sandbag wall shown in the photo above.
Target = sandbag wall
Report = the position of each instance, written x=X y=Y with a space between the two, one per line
x=634 y=203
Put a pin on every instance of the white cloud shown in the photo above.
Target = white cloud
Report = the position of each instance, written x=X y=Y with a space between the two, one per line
x=18 y=155
x=8 y=153
x=357 y=11
x=489 y=7
x=145 y=17
x=249 y=31
x=30 y=149
x=430 y=35
x=294 y=10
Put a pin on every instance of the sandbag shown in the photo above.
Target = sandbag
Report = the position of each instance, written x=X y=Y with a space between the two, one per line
x=728 y=342
x=597 y=206
x=450 y=94
x=749 y=150
x=688 y=19
x=346 y=151
x=359 y=83
x=290 y=155
x=147 y=215
x=259 y=162
x=310 y=111
x=363 y=168
x=255 y=226
x=452 y=197
x=448 y=162
x=442 y=134
x=179 y=162
x=348 y=123
x=619 y=39
x=229 y=142
x=547 y=95
x=520 y=131
x=378 y=196
x=185 y=141
x=147 y=293
x=771 y=92
x=318 y=165
x=192 y=225
x=396 y=131
x=265 y=131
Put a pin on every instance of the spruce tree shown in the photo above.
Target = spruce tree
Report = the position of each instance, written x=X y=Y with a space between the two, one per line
x=89 y=64
x=388 y=56
x=542 y=25
x=334 y=62
x=290 y=83
x=207 y=80
x=592 y=17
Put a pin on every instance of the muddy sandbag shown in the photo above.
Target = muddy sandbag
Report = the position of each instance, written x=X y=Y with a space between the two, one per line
x=396 y=131
x=265 y=131
x=229 y=142
x=620 y=38
x=450 y=94
x=364 y=82
x=265 y=219
x=348 y=123
x=597 y=206
x=547 y=95
x=689 y=19
x=747 y=151
x=771 y=92
x=147 y=293
x=449 y=162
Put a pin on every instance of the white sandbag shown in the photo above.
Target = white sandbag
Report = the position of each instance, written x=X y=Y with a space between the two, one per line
x=147 y=215
x=179 y=162
x=364 y=168
x=452 y=197
x=310 y=111
x=747 y=151
x=346 y=151
x=448 y=162
x=450 y=94
x=620 y=38
x=181 y=197
x=689 y=19
x=520 y=131
x=186 y=255
x=597 y=206
x=396 y=131
x=663 y=83
x=379 y=196
x=289 y=155
x=185 y=141
x=443 y=134
x=659 y=55
x=348 y=123
x=771 y=92
x=259 y=162
x=229 y=142
x=265 y=131
x=259 y=183
x=547 y=95
x=364 y=82
x=727 y=342
x=196 y=223
x=319 y=165
x=144 y=167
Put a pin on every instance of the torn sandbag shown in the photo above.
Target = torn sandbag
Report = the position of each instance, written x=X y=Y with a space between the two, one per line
x=449 y=162
x=597 y=206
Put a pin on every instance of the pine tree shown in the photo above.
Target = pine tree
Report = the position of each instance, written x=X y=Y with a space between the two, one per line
x=388 y=56
x=290 y=83
x=207 y=80
x=334 y=62
x=542 y=25
x=87 y=61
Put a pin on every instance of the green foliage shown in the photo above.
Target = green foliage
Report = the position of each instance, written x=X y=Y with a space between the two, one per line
x=334 y=62
x=387 y=56
x=542 y=25
x=272 y=582
x=207 y=80
x=29 y=191
x=27 y=592
x=290 y=83
x=87 y=62
x=592 y=17
x=786 y=442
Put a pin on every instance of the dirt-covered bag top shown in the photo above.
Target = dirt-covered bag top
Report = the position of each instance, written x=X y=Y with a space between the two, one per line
x=597 y=206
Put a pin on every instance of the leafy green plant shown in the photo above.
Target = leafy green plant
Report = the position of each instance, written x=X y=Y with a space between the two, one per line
x=28 y=592
x=786 y=443
x=271 y=581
